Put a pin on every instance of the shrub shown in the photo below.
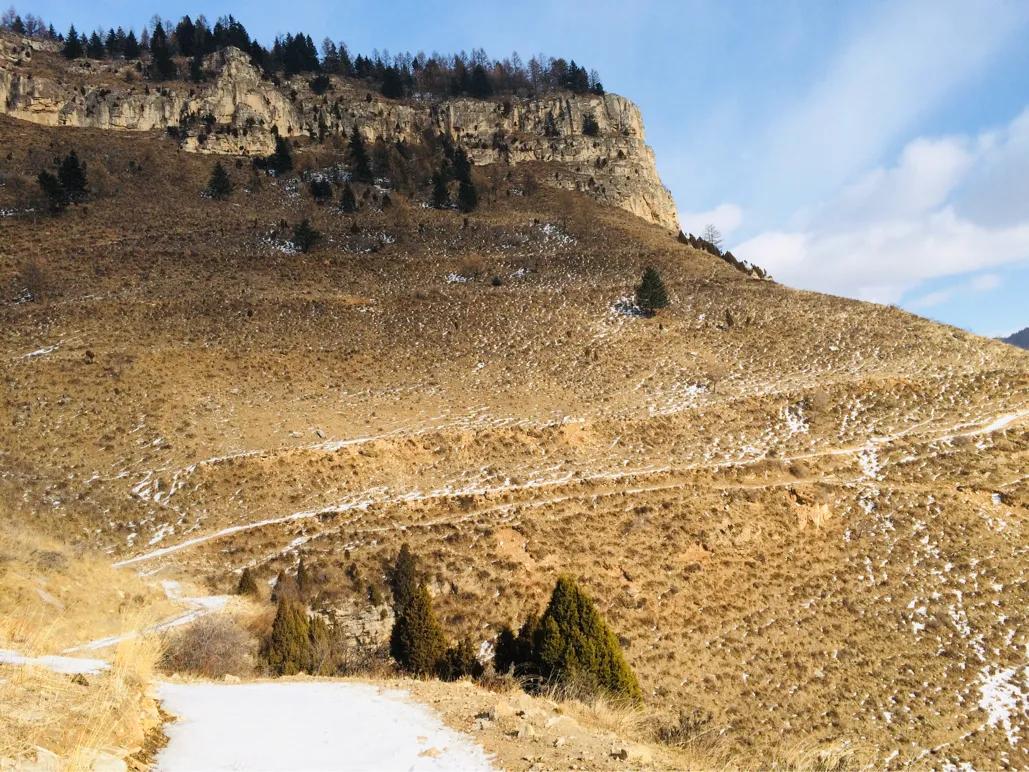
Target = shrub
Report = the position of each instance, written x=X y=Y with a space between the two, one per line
x=320 y=84
x=219 y=186
x=461 y=661
x=32 y=283
x=321 y=189
x=305 y=236
x=281 y=159
x=650 y=292
x=513 y=653
x=213 y=646
x=590 y=127
x=56 y=198
x=417 y=642
x=247 y=584
x=686 y=730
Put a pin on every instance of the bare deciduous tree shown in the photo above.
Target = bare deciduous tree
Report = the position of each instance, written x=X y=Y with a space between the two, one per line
x=712 y=235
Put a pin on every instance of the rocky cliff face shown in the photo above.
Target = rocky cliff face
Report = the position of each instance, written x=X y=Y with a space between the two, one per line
x=237 y=111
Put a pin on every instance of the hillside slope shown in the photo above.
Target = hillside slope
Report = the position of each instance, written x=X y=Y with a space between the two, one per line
x=804 y=515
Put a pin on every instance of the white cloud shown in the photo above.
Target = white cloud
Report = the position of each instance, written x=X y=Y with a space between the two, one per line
x=726 y=217
x=899 y=226
x=985 y=282
x=931 y=299
x=903 y=63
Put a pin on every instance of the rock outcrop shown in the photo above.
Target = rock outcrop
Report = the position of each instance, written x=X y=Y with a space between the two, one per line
x=238 y=111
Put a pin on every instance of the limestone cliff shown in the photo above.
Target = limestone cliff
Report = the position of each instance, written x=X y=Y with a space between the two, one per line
x=237 y=110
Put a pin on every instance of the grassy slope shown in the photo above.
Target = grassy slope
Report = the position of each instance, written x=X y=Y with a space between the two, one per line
x=753 y=571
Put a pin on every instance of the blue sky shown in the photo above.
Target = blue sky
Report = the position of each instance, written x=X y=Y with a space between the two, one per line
x=878 y=150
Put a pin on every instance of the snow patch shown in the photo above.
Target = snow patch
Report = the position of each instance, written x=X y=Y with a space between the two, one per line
x=68 y=665
x=1004 y=699
x=308 y=726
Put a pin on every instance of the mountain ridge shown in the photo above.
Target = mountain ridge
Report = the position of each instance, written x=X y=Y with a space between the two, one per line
x=1020 y=338
x=240 y=112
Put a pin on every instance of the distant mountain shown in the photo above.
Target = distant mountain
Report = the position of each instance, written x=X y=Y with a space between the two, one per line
x=1020 y=338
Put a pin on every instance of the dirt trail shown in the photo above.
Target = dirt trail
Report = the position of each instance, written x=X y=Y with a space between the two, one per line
x=366 y=499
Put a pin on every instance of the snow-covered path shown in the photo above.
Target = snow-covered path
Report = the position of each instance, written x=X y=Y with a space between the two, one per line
x=306 y=726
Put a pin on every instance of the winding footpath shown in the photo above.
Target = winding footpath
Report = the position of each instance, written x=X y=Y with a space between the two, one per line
x=307 y=725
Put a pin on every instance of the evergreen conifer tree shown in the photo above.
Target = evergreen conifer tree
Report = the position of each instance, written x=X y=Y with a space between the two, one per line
x=347 y=201
x=53 y=190
x=417 y=642
x=467 y=196
x=196 y=68
x=95 y=47
x=287 y=649
x=72 y=175
x=392 y=84
x=72 y=45
x=479 y=85
x=590 y=127
x=319 y=647
x=282 y=158
x=650 y=293
x=461 y=661
x=219 y=186
x=403 y=579
x=303 y=578
x=305 y=236
x=164 y=65
x=515 y=652
x=360 y=164
x=247 y=583
x=574 y=645
x=440 y=193
x=462 y=166
x=132 y=50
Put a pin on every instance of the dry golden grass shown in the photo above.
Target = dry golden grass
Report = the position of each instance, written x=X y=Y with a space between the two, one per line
x=756 y=570
x=54 y=597
x=76 y=717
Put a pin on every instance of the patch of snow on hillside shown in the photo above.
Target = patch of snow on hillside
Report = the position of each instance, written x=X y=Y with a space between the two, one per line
x=41 y=352
x=868 y=458
x=66 y=665
x=796 y=423
x=1004 y=699
x=309 y=726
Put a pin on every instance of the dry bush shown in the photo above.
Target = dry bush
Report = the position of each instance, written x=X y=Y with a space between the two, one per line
x=836 y=757
x=363 y=659
x=214 y=646
x=33 y=280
